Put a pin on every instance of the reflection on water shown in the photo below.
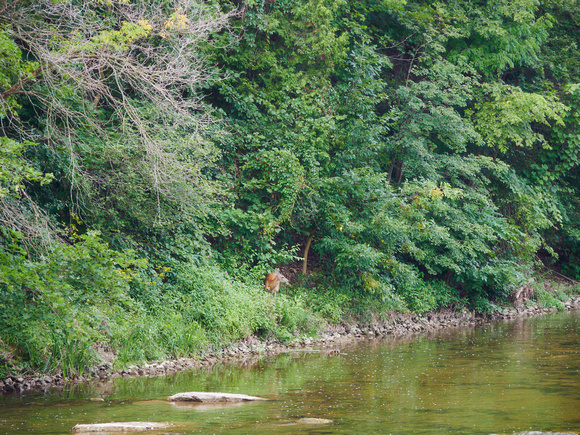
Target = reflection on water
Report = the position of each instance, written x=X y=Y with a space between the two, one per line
x=517 y=376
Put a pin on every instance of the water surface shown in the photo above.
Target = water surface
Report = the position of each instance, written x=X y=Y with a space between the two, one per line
x=501 y=378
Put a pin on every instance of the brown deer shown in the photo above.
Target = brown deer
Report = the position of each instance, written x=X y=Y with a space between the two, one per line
x=273 y=280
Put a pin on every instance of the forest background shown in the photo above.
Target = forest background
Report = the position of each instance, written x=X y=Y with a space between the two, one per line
x=158 y=157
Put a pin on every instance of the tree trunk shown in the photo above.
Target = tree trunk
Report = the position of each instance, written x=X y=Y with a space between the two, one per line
x=306 y=249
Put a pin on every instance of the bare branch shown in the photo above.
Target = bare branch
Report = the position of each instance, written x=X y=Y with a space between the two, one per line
x=154 y=72
x=16 y=87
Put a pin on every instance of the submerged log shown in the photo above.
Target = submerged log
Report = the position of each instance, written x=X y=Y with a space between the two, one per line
x=212 y=397
x=130 y=426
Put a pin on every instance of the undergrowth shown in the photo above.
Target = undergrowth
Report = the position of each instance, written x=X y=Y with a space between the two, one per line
x=59 y=311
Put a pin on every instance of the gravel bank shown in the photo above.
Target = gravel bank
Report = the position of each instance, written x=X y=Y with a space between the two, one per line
x=397 y=324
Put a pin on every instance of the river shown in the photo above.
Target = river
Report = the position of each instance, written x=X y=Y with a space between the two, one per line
x=504 y=377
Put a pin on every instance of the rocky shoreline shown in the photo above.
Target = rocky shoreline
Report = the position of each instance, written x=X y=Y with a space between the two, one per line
x=397 y=324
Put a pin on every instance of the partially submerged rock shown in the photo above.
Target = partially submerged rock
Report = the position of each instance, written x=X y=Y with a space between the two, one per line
x=202 y=397
x=202 y=407
x=130 y=426
x=314 y=420
x=534 y=432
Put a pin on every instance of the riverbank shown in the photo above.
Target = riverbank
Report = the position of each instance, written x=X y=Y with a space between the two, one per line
x=331 y=338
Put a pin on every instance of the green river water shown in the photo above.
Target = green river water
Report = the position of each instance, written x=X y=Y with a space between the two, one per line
x=506 y=377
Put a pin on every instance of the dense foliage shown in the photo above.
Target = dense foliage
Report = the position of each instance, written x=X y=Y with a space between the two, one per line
x=158 y=157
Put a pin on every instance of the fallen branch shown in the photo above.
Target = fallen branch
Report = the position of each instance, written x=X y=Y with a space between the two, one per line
x=573 y=281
